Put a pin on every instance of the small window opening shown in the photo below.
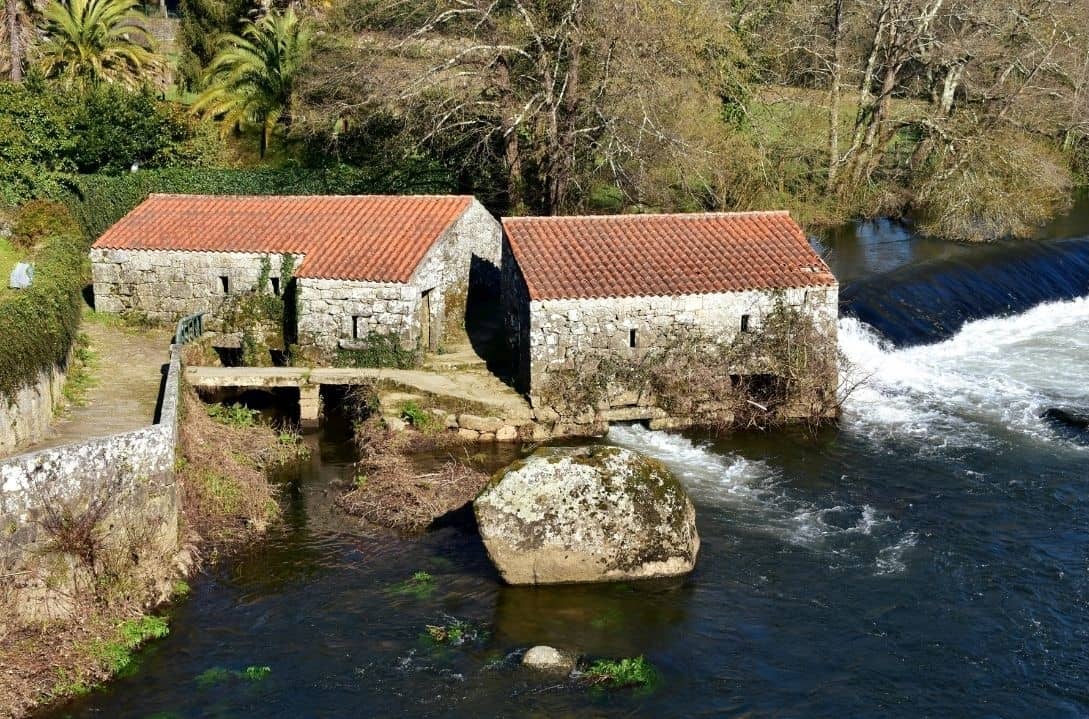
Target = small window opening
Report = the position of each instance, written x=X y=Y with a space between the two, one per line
x=631 y=338
x=744 y=323
x=357 y=326
x=225 y=283
x=275 y=285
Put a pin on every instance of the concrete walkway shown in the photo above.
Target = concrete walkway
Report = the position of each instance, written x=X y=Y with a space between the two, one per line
x=127 y=375
x=470 y=383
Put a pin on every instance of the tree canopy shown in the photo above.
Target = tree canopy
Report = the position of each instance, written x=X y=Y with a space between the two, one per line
x=90 y=42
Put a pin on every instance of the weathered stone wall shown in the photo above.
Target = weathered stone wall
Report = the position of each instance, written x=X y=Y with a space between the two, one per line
x=563 y=331
x=26 y=416
x=167 y=285
x=326 y=310
x=131 y=475
x=460 y=258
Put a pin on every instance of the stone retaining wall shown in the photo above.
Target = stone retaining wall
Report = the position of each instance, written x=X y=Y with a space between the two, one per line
x=26 y=416
x=126 y=480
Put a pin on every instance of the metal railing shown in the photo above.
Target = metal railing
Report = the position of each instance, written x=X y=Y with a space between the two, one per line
x=189 y=328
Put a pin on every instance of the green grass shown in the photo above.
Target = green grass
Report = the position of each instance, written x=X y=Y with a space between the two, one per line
x=117 y=656
x=417 y=416
x=637 y=672
x=81 y=377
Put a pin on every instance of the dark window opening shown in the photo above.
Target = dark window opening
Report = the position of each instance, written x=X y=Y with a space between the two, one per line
x=744 y=323
x=357 y=325
x=275 y=285
x=631 y=338
x=225 y=283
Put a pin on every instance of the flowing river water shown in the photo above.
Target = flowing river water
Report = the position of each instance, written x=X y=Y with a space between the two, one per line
x=928 y=558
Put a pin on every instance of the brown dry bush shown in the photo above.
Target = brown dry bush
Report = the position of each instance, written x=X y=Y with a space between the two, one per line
x=224 y=473
x=788 y=370
x=391 y=490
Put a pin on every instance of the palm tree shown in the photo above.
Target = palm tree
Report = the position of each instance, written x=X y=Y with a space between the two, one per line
x=18 y=30
x=249 y=81
x=89 y=42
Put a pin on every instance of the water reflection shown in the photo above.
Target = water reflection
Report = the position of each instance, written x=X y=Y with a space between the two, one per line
x=618 y=620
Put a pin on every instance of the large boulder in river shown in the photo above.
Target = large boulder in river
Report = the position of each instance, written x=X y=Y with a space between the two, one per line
x=587 y=514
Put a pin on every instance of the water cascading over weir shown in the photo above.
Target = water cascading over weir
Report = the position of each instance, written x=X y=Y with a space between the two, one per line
x=931 y=301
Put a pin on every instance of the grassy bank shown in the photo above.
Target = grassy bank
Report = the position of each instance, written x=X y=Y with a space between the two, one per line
x=225 y=459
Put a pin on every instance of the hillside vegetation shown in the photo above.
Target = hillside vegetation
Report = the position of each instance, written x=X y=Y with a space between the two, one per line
x=971 y=115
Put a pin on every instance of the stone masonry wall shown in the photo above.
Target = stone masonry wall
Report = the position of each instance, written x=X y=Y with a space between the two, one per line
x=326 y=308
x=26 y=416
x=561 y=331
x=167 y=285
x=131 y=474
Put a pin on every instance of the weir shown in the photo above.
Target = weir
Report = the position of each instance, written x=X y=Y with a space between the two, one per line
x=931 y=301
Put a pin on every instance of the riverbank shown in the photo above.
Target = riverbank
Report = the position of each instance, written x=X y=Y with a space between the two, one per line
x=108 y=605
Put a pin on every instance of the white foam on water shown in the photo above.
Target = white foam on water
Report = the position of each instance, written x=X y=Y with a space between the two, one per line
x=999 y=373
x=766 y=504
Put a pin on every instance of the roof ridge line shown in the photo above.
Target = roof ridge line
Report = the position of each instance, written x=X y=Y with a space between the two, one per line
x=307 y=196
x=638 y=215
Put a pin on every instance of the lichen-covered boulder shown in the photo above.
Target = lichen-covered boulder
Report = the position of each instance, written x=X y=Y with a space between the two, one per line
x=587 y=514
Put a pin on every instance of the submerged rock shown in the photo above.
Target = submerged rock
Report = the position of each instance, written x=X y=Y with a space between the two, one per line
x=587 y=514
x=548 y=659
x=1068 y=417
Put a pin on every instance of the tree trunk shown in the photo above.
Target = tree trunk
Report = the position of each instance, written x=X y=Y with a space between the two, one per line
x=15 y=49
x=834 y=97
x=515 y=183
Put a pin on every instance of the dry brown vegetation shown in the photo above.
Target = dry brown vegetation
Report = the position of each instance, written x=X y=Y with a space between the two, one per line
x=394 y=489
x=223 y=472
x=789 y=371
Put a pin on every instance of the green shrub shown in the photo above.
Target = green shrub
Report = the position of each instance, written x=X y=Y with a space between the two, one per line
x=637 y=672
x=39 y=219
x=417 y=416
x=377 y=350
x=39 y=324
x=234 y=415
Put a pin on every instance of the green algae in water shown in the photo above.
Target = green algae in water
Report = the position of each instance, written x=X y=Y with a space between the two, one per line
x=255 y=673
x=455 y=633
x=610 y=619
x=212 y=676
x=220 y=675
x=421 y=585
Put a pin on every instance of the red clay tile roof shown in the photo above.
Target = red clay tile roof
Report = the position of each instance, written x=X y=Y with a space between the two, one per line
x=380 y=238
x=645 y=255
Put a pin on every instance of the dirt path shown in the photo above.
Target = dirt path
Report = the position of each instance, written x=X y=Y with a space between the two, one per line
x=126 y=376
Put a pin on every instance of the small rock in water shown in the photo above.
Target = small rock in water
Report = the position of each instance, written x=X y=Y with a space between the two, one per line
x=549 y=659
x=1069 y=417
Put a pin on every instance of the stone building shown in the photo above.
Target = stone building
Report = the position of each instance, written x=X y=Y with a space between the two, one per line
x=618 y=286
x=401 y=265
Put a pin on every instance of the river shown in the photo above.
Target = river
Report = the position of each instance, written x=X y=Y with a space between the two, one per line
x=928 y=558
